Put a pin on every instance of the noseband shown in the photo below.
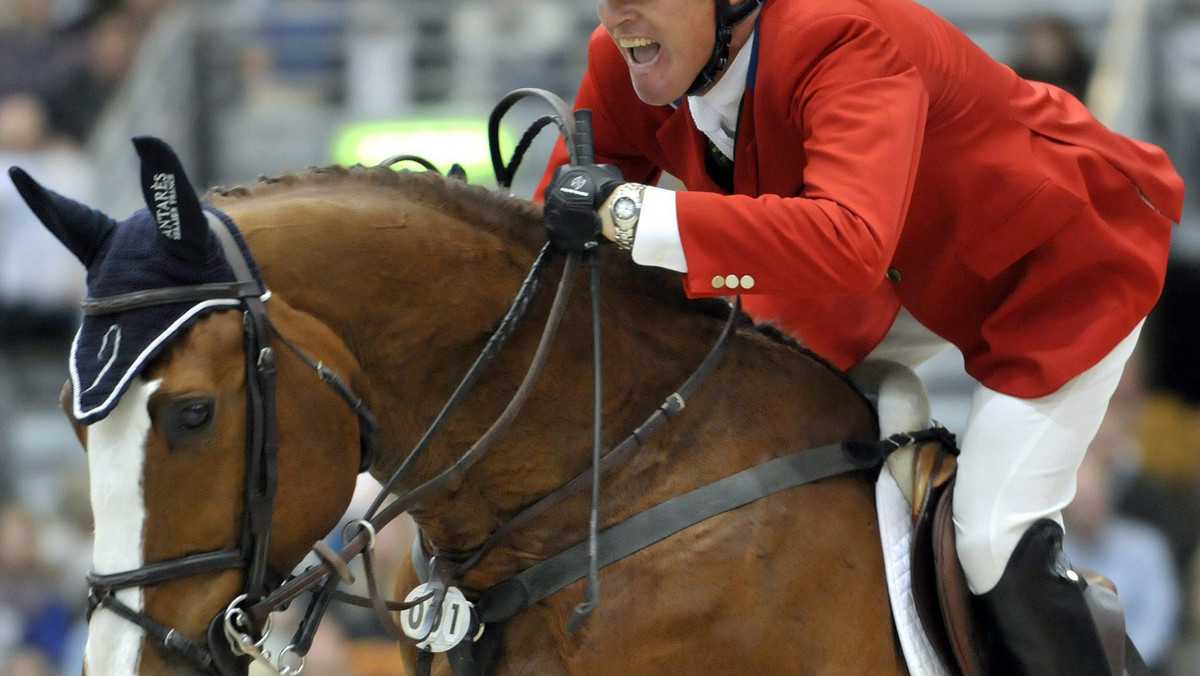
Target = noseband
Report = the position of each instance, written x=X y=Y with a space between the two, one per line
x=261 y=475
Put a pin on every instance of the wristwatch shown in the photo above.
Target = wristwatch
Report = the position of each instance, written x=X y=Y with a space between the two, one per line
x=625 y=207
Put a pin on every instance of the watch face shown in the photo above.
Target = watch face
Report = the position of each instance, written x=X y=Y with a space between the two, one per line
x=624 y=208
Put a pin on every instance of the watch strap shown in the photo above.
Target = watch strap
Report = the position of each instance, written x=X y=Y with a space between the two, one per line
x=625 y=229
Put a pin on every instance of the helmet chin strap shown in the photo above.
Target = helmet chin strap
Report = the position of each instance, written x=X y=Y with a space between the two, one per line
x=728 y=16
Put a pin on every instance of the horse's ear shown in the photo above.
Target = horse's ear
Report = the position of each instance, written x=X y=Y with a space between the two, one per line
x=171 y=200
x=81 y=228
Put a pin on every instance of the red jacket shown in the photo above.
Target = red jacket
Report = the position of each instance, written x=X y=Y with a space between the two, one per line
x=883 y=159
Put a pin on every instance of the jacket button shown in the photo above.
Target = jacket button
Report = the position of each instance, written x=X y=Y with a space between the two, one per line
x=893 y=274
x=718 y=282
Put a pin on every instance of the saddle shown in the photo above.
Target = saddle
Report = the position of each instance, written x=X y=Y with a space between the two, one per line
x=945 y=605
x=925 y=472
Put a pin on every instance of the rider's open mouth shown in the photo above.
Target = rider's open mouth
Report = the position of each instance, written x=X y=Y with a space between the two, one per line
x=641 y=50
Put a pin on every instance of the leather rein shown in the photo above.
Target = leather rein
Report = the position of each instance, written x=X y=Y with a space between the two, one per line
x=321 y=580
x=436 y=616
x=241 y=631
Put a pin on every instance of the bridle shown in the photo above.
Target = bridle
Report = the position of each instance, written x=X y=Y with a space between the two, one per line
x=261 y=477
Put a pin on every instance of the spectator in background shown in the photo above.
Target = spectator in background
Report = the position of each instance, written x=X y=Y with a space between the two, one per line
x=28 y=661
x=1166 y=491
x=37 y=53
x=1053 y=53
x=41 y=283
x=79 y=98
x=74 y=63
x=503 y=45
x=1180 y=52
x=144 y=11
x=1133 y=554
x=381 y=48
x=32 y=612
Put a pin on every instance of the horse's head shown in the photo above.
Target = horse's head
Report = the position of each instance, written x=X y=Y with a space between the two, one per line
x=216 y=455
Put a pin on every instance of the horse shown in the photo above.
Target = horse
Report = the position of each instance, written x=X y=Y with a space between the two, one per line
x=394 y=281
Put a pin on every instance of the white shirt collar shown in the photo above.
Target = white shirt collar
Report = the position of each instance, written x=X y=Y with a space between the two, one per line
x=715 y=112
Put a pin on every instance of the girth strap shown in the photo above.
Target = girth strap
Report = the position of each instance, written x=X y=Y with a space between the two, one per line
x=504 y=600
x=665 y=519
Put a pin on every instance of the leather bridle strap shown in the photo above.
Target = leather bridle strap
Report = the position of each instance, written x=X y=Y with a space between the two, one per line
x=163 y=571
x=194 y=293
x=262 y=446
x=262 y=449
x=193 y=651
x=368 y=424
x=102 y=594
x=261 y=471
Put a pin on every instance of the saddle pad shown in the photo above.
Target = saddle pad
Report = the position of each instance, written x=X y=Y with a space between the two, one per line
x=895 y=530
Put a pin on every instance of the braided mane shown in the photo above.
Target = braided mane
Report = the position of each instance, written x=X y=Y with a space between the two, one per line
x=475 y=203
x=517 y=217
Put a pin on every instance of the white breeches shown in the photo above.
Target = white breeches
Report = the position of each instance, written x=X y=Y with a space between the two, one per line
x=1018 y=456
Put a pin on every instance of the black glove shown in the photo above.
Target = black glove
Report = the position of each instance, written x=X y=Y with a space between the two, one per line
x=572 y=198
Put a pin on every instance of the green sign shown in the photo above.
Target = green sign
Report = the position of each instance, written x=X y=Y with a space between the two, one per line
x=443 y=141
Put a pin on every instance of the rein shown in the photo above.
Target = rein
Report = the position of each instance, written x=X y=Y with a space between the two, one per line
x=439 y=596
x=377 y=516
x=438 y=599
x=362 y=541
x=576 y=129
x=324 y=576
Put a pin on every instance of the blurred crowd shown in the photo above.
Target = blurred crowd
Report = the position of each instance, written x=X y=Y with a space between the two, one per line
x=62 y=62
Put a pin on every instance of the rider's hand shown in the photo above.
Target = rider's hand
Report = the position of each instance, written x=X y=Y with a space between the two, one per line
x=572 y=198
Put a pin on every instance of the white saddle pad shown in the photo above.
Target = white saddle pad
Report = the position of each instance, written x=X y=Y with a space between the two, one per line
x=895 y=530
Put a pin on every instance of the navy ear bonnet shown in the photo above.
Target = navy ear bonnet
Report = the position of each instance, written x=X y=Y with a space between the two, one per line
x=168 y=244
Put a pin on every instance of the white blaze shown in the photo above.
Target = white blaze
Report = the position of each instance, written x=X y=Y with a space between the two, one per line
x=115 y=458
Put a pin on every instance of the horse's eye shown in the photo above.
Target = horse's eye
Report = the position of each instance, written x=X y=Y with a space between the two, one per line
x=194 y=416
x=182 y=419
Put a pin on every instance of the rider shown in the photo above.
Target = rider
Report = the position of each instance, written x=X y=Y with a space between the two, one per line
x=870 y=180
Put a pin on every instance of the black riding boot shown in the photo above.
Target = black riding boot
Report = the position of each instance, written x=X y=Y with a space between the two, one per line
x=1040 y=619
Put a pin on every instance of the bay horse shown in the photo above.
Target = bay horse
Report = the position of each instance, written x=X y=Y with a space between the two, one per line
x=395 y=280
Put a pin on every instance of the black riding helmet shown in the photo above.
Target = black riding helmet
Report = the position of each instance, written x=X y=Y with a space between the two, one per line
x=728 y=16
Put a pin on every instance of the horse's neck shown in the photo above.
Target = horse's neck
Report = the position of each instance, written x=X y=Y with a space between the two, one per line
x=765 y=399
x=417 y=320
x=646 y=357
